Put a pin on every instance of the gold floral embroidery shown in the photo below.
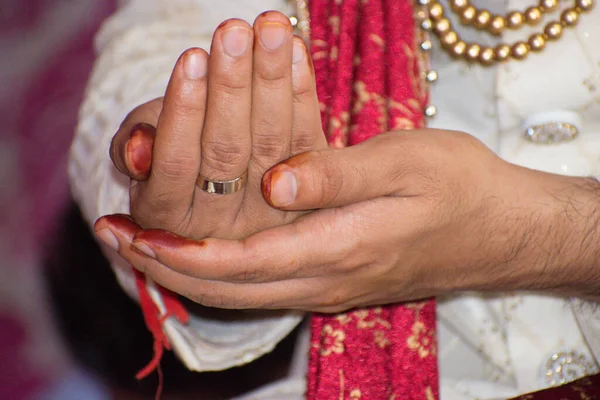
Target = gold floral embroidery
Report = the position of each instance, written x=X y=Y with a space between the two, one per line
x=380 y=339
x=334 y=22
x=429 y=393
x=355 y=394
x=422 y=340
x=333 y=340
x=343 y=319
x=378 y=40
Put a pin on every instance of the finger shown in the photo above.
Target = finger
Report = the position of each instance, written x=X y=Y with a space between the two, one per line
x=176 y=155
x=131 y=146
x=328 y=178
x=307 y=130
x=287 y=252
x=118 y=231
x=226 y=136
x=271 y=95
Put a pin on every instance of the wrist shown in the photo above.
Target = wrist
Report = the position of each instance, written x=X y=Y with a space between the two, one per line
x=550 y=225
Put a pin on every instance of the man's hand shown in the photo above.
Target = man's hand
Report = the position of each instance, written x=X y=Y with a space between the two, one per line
x=406 y=215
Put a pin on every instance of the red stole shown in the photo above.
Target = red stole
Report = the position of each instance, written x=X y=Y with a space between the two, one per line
x=368 y=70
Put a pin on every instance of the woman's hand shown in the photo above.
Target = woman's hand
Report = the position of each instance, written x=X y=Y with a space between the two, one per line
x=408 y=215
x=249 y=105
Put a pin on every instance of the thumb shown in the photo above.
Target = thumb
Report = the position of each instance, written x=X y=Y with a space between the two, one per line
x=131 y=147
x=338 y=177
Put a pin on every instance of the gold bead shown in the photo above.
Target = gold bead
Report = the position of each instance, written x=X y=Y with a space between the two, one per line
x=548 y=5
x=449 y=39
x=553 y=30
x=585 y=5
x=569 y=17
x=431 y=76
x=482 y=19
x=426 y=24
x=473 y=50
x=502 y=52
x=459 y=48
x=533 y=15
x=487 y=56
x=442 y=26
x=458 y=5
x=497 y=25
x=468 y=15
x=519 y=50
x=430 y=111
x=436 y=11
x=537 y=42
x=515 y=20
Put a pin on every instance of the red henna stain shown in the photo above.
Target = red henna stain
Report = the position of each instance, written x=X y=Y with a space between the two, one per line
x=136 y=251
x=299 y=160
x=122 y=222
x=265 y=185
x=275 y=17
x=223 y=24
x=139 y=149
x=159 y=238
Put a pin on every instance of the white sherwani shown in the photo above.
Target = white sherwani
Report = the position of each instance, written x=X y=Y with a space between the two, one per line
x=491 y=346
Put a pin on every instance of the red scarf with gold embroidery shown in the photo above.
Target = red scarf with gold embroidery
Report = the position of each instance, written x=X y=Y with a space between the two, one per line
x=368 y=72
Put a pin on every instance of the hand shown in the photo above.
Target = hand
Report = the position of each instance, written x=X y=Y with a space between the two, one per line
x=248 y=106
x=411 y=215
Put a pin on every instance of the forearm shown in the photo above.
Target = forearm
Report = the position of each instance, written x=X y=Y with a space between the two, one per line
x=569 y=247
x=545 y=234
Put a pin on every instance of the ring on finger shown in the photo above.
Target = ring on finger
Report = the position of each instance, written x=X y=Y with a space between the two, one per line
x=222 y=187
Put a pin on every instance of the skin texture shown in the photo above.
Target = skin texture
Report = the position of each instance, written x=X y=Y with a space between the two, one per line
x=405 y=215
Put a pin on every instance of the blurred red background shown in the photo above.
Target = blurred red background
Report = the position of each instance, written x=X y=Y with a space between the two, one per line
x=47 y=54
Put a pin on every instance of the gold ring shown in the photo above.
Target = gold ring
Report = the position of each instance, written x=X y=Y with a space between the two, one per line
x=222 y=187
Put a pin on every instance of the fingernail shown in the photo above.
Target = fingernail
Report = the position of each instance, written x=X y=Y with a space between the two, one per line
x=195 y=65
x=283 y=188
x=144 y=249
x=235 y=41
x=108 y=238
x=139 y=153
x=298 y=52
x=272 y=35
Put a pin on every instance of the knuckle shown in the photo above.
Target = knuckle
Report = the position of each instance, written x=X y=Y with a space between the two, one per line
x=270 y=140
x=272 y=76
x=175 y=167
x=331 y=183
x=304 y=94
x=186 y=110
x=231 y=85
x=224 y=157
x=303 y=140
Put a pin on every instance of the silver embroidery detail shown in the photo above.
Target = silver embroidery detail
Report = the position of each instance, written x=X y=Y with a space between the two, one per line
x=552 y=132
x=568 y=366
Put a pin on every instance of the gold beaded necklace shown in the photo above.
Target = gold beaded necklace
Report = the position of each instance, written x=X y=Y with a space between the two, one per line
x=484 y=21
